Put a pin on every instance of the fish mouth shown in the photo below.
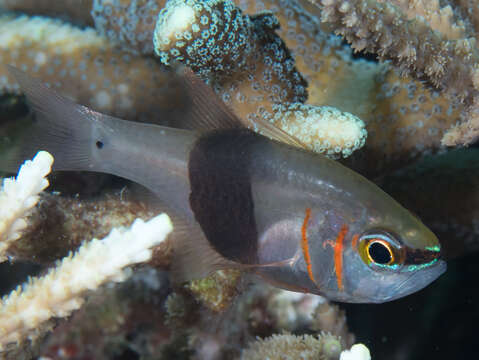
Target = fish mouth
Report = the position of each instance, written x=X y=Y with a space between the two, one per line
x=407 y=284
x=418 y=280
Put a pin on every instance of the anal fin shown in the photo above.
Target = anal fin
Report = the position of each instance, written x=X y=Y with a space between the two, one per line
x=193 y=257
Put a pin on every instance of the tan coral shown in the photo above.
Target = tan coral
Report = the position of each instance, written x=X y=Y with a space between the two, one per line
x=439 y=18
x=466 y=132
x=469 y=10
x=330 y=318
x=290 y=310
x=335 y=79
x=291 y=347
x=407 y=121
x=128 y=23
x=85 y=67
x=413 y=46
x=445 y=64
x=403 y=117
x=77 y=10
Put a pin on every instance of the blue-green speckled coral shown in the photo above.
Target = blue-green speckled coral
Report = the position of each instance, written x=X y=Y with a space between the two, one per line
x=239 y=55
x=128 y=23
x=210 y=36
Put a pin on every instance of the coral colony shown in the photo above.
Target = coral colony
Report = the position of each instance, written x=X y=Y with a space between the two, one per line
x=277 y=62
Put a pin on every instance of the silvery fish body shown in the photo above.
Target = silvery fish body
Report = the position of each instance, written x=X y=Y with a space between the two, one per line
x=296 y=219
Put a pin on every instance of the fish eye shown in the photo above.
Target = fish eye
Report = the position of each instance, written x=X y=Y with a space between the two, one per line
x=381 y=249
x=380 y=252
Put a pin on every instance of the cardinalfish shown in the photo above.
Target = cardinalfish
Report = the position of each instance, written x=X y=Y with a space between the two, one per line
x=242 y=200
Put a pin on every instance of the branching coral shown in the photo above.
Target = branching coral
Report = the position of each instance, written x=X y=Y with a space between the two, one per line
x=441 y=52
x=19 y=196
x=327 y=129
x=26 y=311
x=59 y=224
x=58 y=293
x=308 y=347
x=289 y=347
x=331 y=319
x=238 y=54
x=213 y=38
x=291 y=311
x=412 y=44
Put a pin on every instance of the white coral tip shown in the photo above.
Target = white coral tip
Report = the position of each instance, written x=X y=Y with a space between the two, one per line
x=357 y=352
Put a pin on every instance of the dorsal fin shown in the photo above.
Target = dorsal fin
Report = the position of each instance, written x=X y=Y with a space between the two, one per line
x=212 y=113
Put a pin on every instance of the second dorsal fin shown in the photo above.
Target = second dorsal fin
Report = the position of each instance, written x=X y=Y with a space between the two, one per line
x=211 y=113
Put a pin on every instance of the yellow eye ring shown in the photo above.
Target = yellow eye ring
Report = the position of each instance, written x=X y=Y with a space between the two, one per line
x=380 y=252
x=380 y=249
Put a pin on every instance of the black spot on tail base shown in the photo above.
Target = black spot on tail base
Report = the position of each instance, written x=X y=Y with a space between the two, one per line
x=221 y=197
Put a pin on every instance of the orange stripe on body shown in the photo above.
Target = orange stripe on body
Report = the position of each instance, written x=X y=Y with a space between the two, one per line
x=355 y=242
x=305 y=245
x=338 y=255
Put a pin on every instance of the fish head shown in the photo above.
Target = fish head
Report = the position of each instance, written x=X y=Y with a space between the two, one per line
x=385 y=267
x=383 y=256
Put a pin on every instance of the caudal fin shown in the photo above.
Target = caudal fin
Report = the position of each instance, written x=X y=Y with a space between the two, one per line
x=60 y=127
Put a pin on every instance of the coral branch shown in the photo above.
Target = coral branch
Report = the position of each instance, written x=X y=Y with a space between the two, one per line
x=59 y=224
x=18 y=196
x=465 y=133
x=231 y=44
x=325 y=129
x=383 y=29
x=57 y=294
x=307 y=347
x=440 y=19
